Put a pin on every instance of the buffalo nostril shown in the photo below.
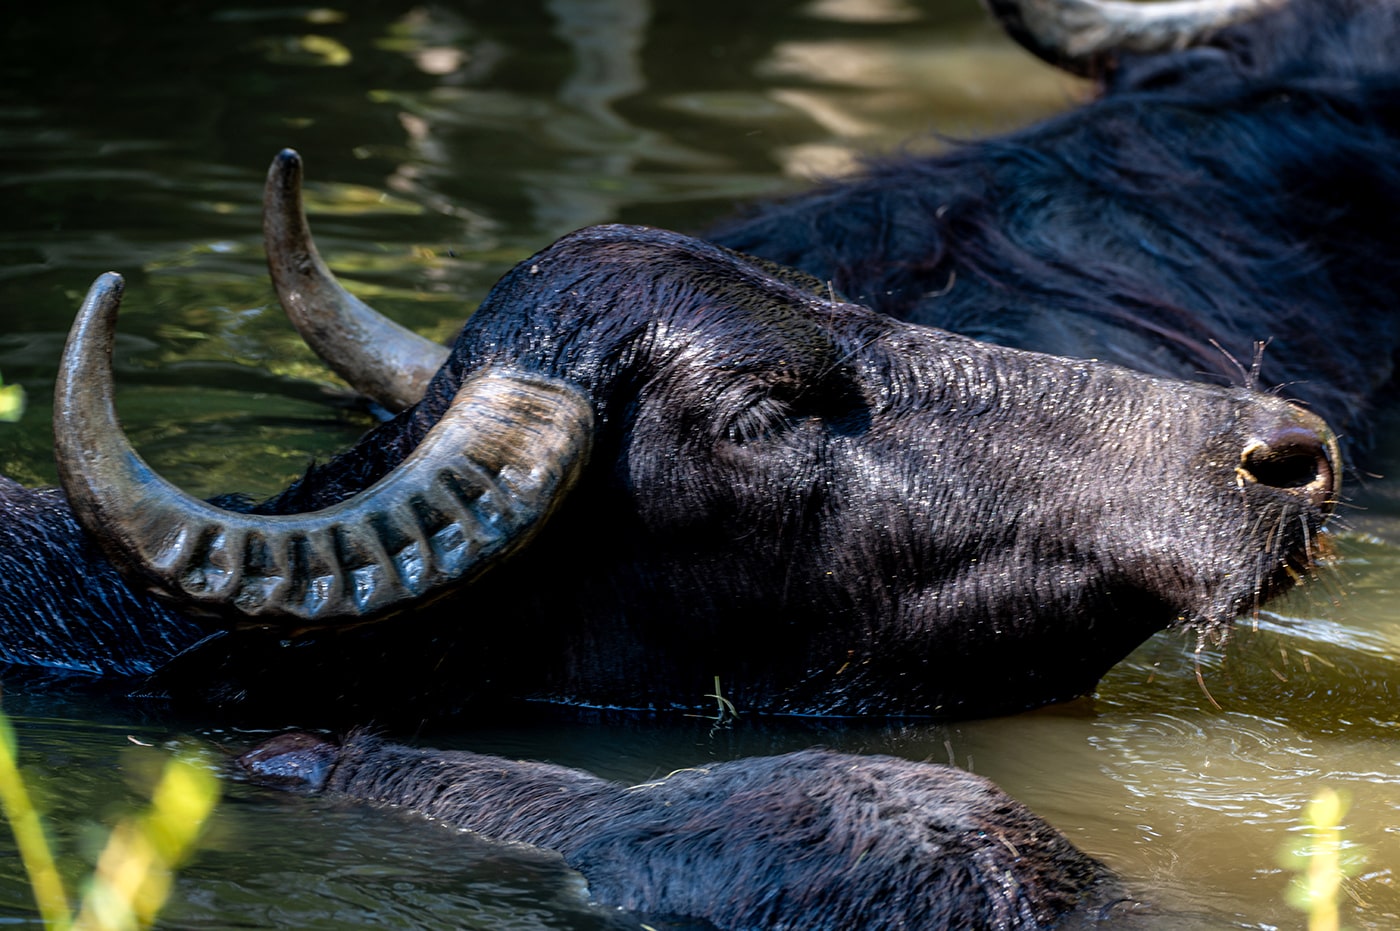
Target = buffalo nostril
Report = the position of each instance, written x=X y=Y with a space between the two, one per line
x=1300 y=457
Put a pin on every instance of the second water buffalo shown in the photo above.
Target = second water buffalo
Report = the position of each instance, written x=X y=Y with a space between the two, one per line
x=811 y=840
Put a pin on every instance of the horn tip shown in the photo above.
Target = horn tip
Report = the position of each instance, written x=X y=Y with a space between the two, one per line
x=107 y=287
x=284 y=174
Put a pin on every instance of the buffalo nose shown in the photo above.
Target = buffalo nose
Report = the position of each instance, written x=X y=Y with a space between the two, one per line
x=1298 y=455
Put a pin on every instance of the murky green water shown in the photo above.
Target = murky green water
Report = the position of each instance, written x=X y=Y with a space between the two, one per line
x=443 y=144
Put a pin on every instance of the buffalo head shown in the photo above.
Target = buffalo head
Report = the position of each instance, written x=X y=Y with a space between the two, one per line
x=649 y=461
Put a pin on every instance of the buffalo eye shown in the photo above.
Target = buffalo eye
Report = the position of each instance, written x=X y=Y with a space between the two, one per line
x=760 y=417
x=765 y=412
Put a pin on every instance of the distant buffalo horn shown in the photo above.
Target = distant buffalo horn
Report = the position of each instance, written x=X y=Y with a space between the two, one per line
x=377 y=357
x=1078 y=35
x=477 y=487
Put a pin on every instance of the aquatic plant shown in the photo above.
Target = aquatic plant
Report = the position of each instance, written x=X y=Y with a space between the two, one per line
x=1322 y=863
x=131 y=880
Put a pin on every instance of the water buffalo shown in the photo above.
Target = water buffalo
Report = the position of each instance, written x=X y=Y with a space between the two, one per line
x=668 y=461
x=811 y=840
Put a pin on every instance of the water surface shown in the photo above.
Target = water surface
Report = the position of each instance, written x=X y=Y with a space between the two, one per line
x=443 y=144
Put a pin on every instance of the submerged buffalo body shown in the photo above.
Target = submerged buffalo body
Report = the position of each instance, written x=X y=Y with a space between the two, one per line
x=649 y=461
x=810 y=840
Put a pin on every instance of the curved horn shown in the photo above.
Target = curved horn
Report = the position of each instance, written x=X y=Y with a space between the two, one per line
x=1077 y=35
x=478 y=486
x=376 y=356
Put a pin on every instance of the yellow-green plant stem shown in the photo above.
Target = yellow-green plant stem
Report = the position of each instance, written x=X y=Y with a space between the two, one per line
x=134 y=873
x=1324 y=876
x=1320 y=865
x=34 y=850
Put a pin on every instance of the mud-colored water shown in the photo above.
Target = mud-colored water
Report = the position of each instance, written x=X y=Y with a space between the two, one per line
x=443 y=144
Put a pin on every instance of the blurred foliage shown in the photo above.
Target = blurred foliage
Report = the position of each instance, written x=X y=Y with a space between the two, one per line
x=1322 y=863
x=11 y=402
x=132 y=878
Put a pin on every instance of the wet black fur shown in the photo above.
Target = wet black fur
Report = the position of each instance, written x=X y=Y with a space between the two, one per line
x=1242 y=191
x=811 y=840
x=63 y=606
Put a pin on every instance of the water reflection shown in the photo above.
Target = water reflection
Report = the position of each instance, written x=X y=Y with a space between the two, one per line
x=444 y=143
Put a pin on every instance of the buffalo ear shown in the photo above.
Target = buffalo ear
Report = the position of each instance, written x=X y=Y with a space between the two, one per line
x=474 y=491
x=378 y=358
x=291 y=761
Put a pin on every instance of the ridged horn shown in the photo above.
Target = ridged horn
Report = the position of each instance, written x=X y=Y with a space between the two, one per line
x=1078 y=35
x=377 y=357
x=474 y=491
